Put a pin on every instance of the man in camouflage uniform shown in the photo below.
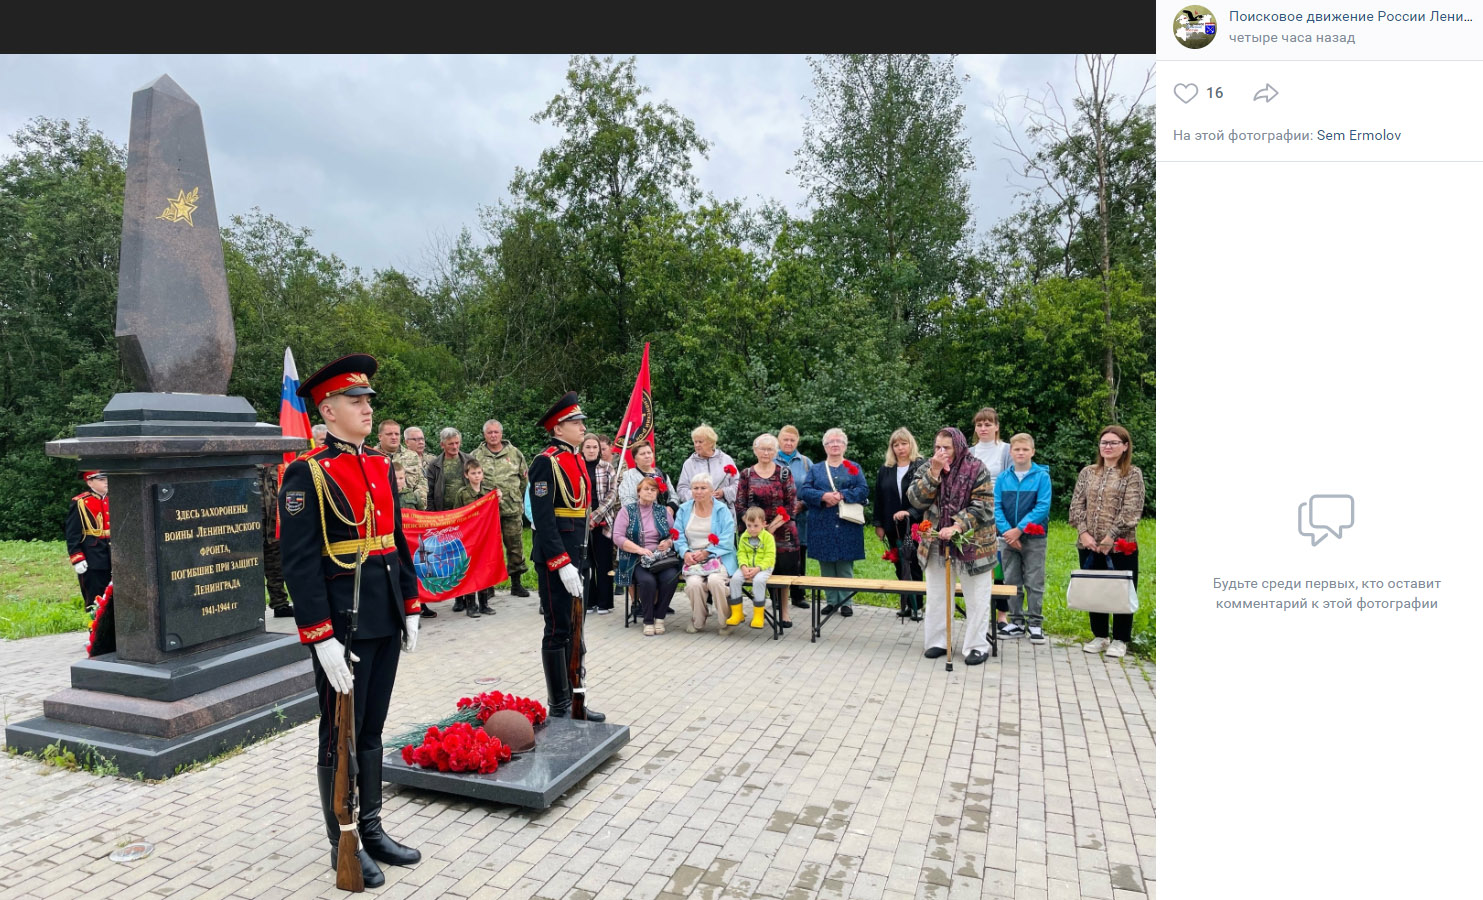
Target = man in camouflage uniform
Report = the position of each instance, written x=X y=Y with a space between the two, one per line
x=272 y=555
x=504 y=469
x=390 y=443
x=417 y=442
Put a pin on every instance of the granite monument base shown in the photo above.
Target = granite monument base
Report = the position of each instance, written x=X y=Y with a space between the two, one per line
x=566 y=751
x=153 y=718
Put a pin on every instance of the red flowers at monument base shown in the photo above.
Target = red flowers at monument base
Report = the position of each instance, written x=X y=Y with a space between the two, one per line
x=458 y=748
x=493 y=701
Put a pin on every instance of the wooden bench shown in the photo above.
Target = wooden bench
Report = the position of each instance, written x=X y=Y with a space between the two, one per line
x=773 y=613
x=817 y=584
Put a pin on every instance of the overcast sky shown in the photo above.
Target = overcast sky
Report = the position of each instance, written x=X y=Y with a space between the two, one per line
x=385 y=157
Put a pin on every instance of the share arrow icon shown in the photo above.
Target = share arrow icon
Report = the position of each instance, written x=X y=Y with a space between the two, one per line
x=1267 y=93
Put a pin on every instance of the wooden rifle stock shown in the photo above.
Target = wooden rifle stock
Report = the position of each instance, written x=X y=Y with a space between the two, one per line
x=348 y=875
x=347 y=864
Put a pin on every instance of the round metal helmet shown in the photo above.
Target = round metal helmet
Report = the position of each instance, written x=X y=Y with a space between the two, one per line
x=513 y=728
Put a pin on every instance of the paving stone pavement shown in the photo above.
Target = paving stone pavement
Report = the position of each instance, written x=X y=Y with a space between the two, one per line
x=852 y=767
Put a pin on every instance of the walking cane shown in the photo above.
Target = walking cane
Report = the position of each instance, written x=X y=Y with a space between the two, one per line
x=947 y=566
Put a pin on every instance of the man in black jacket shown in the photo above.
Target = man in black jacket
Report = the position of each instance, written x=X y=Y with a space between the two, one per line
x=338 y=508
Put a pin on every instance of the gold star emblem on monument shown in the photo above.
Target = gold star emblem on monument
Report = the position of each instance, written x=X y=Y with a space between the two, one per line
x=181 y=207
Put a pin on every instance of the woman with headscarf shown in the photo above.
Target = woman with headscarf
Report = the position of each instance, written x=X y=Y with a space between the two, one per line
x=957 y=492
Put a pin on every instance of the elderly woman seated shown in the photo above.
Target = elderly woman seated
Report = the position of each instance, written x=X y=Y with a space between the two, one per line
x=641 y=532
x=705 y=536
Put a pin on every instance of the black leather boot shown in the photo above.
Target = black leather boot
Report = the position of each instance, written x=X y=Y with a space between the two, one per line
x=558 y=685
x=516 y=588
x=372 y=837
x=484 y=604
x=588 y=712
x=458 y=604
x=370 y=873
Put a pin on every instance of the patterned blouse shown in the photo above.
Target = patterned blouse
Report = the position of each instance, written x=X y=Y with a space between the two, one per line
x=769 y=493
x=1106 y=504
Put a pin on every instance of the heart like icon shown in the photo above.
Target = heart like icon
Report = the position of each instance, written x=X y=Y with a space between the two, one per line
x=1186 y=92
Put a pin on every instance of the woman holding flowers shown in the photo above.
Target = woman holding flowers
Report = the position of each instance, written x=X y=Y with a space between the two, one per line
x=1105 y=508
x=836 y=543
x=957 y=492
x=894 y=516
x=770 y=486
x=705 y=537
x=628 y=483
x=711 y=461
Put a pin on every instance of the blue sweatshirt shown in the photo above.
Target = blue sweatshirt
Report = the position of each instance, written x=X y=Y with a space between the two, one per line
x=1020 y=501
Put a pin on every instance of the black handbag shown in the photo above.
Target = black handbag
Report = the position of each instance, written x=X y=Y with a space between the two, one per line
x=666 y=559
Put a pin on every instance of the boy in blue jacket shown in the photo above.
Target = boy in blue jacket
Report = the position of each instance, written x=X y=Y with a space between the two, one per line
x=1022 y=512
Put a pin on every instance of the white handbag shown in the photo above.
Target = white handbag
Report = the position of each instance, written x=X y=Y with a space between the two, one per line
x=1102 y=591
x=848 y=512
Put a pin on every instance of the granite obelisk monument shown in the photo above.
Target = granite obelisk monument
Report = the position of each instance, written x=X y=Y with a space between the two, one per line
x=196 y=672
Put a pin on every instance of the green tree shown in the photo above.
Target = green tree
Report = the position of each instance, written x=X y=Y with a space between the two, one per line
x=1091 y=171
x=619 y=161
x=61 y=215
x=884 y=158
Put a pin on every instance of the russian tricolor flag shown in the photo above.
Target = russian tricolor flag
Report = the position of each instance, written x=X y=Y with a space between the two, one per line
x=293 y=415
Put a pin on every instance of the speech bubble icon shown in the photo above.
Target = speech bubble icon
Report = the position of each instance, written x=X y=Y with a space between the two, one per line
x=1325 y=514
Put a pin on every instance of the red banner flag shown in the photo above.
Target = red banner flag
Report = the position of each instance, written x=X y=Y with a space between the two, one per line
x=457 y=551
x=637 y=426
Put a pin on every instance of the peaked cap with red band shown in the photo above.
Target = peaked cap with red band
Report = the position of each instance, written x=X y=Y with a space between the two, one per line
x=566 y=409
x=349 y=375
x=91 y=474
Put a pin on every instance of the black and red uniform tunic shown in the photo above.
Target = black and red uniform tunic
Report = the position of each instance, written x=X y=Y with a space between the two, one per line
x=560 y=497
x=319 y=549
x=88 y=539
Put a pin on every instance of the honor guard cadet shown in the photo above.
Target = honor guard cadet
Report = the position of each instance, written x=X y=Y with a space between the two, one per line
x=88 y=547
x=560 y=497
x=341 y=530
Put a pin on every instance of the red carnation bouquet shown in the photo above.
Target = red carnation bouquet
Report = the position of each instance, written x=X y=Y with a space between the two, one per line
x=1124 y=547
x=784 y=513
x=493 y=701
x=730 y=469
x=674 y=535
x=715 y=541
x=1034 y=529
x=100 y=631
x=851 y=468
x=659 y=481
x=891 y=555
x=458 y=748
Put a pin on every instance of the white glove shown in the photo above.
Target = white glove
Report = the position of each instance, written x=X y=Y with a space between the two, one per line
x=331 y=655
x=571 y=579
x=409 y=640
x=80 y=566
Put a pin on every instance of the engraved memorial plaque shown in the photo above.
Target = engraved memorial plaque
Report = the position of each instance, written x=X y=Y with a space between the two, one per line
x=210 y=543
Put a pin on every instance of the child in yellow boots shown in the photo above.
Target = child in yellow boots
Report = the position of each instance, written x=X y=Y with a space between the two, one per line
x=756 y=552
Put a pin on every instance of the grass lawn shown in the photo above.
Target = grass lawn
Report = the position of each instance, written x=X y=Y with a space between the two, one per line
x=39 y=593
x=1060 y=561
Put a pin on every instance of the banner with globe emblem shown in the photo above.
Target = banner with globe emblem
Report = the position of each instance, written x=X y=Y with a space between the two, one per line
x=457 y=551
